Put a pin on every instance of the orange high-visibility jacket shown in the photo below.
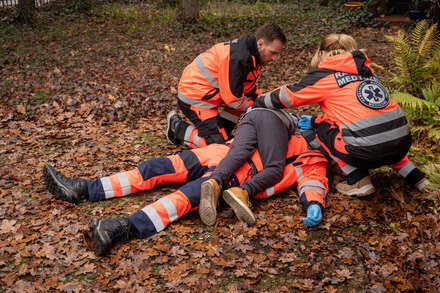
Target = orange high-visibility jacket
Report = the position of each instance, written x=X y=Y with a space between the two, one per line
x=352 y=98
x=224 y=74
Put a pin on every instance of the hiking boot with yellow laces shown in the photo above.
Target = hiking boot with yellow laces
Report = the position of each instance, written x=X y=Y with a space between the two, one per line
x=361 y=188
x=208 y=202
x=238 y=199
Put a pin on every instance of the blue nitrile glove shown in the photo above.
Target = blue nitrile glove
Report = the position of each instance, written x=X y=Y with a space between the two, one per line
x=250 y=108
x=305 y=122
x=314 y=216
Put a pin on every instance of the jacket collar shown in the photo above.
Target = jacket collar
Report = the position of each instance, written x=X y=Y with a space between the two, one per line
x=251 y=43
x=355 y=62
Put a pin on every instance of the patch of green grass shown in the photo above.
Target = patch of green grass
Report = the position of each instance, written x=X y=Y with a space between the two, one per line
x=269 y=281
x=137 y=16
x=394 y=226
x=152 y=139
x=156 y=268
x=20 y=52
x=358 y=229
x=309 y=23
x=123 y=12
x=40 y=97
x=145 y=157
x=10 y=33
x=58 y=33
x=27 y=194
x=111 y=51
x=88 y=278
x=7 y=84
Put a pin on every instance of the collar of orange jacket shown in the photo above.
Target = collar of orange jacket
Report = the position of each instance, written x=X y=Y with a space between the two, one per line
x=251 y=44
x=356 y=62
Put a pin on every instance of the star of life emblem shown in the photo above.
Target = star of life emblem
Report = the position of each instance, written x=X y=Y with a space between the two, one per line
x=372 y=94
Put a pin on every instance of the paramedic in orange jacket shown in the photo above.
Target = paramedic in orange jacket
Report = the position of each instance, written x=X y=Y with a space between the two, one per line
x=305 y=169
x=362 y=128
x=225 y=75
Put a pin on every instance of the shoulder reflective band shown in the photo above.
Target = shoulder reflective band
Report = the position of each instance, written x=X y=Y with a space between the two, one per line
x=206 y=73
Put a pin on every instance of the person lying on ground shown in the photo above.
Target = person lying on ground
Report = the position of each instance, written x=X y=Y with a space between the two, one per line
x=362 y=128
x=268 y=131
x=306 y=169
x=223 y=76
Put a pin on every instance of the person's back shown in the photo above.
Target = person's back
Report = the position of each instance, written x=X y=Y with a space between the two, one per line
x=353 y=98
x=215 y=76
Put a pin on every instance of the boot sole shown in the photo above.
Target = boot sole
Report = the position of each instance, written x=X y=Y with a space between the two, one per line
x=242 y=212
x=55 y=187
x=207 y=207
x=169 y=130
x=99 y=238
x=361 y=192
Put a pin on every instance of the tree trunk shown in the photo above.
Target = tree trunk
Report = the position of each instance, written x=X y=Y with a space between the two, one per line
x=26 y=10
x=189 y=9
x=436 y=15
x=382 y=6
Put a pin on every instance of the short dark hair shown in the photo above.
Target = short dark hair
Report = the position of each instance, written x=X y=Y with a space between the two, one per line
x=269 y=32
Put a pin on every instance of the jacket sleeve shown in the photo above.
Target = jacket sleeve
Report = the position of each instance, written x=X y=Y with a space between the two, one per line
x=311 y=89
x=253 y=93
x=231 y=78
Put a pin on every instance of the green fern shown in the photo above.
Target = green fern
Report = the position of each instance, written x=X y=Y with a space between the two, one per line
x=416 y=57
x=435 y=134
x=432 y=94
x=433 y=170
x=418 y=32
x=408 y=100
x=416 y=86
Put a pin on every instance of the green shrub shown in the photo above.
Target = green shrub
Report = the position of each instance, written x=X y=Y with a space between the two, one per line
x=416 y=86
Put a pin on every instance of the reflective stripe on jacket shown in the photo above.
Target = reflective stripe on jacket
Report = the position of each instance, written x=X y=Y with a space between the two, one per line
x=224 y=74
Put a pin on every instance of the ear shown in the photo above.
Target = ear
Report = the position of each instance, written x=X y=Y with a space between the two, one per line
x=261 y=43
x=323 y=55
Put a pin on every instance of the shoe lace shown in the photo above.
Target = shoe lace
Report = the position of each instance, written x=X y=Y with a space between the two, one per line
x=248 y=202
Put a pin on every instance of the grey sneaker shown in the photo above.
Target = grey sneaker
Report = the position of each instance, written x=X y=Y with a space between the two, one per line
x=361 y=188
x=422 y=184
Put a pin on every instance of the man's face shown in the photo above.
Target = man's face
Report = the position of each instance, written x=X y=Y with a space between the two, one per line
x=269 y=52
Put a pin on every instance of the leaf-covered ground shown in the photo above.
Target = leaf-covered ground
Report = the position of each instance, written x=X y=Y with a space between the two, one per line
x=90 y=95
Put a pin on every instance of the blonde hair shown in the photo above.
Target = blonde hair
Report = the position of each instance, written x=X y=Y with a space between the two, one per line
x=332 y=45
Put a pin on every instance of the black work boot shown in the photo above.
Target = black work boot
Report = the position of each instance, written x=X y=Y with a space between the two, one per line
x=173 y=121
x=64 y=188
x=107 y=232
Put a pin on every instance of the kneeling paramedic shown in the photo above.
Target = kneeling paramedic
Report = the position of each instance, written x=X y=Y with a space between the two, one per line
x=362 y=128
x=220 y=85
